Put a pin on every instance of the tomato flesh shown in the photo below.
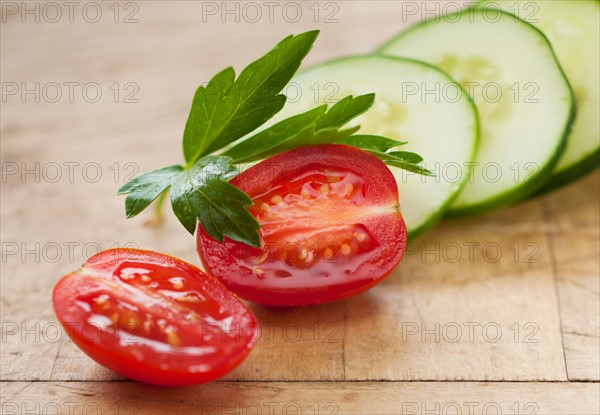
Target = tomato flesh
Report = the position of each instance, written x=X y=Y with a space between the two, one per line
x=330 y=228
x=154 y=318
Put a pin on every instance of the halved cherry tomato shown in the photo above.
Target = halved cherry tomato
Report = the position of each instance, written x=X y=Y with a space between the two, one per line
x=330 y=228
x=154 y=318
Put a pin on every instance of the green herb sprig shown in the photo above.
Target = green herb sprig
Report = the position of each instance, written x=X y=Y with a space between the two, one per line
x=228 y=109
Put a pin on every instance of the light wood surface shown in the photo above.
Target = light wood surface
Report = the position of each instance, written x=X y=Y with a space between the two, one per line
x=306 y=398
x=441 y=330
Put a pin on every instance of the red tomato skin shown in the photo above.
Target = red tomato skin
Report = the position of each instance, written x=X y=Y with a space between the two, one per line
x=103 y=346
x=380 y=189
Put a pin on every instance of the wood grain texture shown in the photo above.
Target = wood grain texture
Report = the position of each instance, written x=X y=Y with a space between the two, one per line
x=573 y=226
x=307 y=398
x=454 y=313
x=511 y=296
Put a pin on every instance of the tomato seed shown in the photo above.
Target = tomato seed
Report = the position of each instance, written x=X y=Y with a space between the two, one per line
x=101 y=299
x=349 y=189
x=132 y=323
x=189 y=299
x=193 y=318
x=262 y=257
x=360 y=236
x=172 y=337
x=177 y=283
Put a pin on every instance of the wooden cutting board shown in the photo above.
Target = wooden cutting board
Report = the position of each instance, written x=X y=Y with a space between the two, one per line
x=496 y=313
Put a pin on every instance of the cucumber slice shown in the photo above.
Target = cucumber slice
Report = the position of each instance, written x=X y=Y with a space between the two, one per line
x=573 y=28
x=524 y=99
x=444 y=133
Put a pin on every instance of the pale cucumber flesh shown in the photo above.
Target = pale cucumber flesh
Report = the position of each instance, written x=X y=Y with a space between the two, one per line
x=573 y=28
x=523 y=98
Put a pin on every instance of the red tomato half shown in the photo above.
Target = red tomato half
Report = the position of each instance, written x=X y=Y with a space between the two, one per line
x=330 y=228
x=154 y=318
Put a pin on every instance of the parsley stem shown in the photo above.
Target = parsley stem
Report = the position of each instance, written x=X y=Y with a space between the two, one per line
x=158 y=217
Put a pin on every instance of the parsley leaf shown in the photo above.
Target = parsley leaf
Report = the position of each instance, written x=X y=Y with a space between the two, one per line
x=143 y=189
x=226 y=109
x=381 y=146
x=316 y=126
x=372 y=142
x=203 y=193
